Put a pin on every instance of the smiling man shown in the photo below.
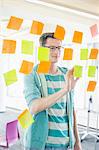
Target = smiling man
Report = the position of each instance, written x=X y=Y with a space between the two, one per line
x=50 y=100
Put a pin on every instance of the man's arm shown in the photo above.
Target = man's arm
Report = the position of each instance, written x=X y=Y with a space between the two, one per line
x=45 y=102
x=76 y=134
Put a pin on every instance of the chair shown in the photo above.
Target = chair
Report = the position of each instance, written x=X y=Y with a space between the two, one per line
x=12 y=134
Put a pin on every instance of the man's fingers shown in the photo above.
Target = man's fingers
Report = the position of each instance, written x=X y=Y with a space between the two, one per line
x=70 y=72
x=76 y=79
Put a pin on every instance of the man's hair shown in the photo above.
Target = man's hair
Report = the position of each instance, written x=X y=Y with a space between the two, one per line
x=45 y=36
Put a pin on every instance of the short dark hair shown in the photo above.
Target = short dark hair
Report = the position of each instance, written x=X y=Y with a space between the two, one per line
x=45 y=36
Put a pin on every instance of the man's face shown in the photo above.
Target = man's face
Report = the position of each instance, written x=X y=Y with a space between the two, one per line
x=54 y=45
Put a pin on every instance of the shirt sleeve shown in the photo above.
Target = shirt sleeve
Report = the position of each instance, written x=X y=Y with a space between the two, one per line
x=31 y=90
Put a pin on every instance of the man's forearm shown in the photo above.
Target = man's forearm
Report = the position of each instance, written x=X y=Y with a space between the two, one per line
x=45 y=102
x=76 y=134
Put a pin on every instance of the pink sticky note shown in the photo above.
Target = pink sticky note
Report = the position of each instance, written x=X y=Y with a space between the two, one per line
x=94 y=30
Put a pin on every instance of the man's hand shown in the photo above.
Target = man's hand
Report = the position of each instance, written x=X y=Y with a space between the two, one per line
x=77 y=146
x=71 y=82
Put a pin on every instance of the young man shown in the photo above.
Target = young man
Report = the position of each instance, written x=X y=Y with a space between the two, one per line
x=51 y=103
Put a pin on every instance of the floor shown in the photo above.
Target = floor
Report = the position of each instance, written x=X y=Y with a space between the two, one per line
x=88 y=144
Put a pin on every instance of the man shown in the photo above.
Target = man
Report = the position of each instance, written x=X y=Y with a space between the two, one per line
x=55 y=124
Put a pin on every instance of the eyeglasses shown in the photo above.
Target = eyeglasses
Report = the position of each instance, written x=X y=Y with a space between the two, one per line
x=53 y=48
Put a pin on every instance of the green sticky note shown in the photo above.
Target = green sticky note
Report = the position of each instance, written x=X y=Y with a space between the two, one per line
x=27 y=47
x=78 y=71
x=43 y=54
x=91 y=71
x=84 y=54
x=10 y=77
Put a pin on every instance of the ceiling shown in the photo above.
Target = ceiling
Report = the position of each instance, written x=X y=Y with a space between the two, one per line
x=89 y=6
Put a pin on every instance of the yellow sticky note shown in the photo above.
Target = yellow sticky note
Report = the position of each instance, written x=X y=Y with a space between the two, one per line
x=91 y=71
x=94 y=53
x=59 y=32
x=27 y=47
x=77 y=71
x=43 y=54
x=43 y=67
x=68 y=54
x=15 y=23
x=91 y=86
x=25 y=119
x=84 y=54
x=77 y=37
x=9 y=46
x=94 y=30
x=37 y=27
x=10 y=77
x=26 y=67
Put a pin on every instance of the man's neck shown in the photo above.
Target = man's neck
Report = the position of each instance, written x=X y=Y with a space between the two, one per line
x=53 y=68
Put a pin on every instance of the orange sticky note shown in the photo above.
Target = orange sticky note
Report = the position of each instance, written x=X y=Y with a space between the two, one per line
x=59 y=32
x=26 y=67
x=77 y=37
x=9 y=46
x=25 y=119
x=37 y=27
x=94 y=30
x=43 y=67
x=14 y=23
x=93 y=53
x=68 y=54
x=91 y=86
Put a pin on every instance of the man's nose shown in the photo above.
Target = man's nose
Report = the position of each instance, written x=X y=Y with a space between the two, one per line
x=56 y=51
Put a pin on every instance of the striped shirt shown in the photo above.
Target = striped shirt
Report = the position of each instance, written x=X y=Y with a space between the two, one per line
x=58 y=135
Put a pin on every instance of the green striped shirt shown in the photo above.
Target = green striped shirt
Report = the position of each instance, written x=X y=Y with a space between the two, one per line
x=58 y=135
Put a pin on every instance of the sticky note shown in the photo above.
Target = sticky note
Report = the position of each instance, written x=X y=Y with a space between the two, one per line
x=10 y=77
x=59 y=32
x=91 y=86
x=37 y=27
x=77 y=37
x=77 y=71
x=84 y=54
x=14 y=23
x=9 y=47
x=91 y=71
x=25 y=119
x=68 y=54
x=43 y=67
x=26 y=67
x=94 y=30
x=43 y=54
x=27 y=47
x=93 y=53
